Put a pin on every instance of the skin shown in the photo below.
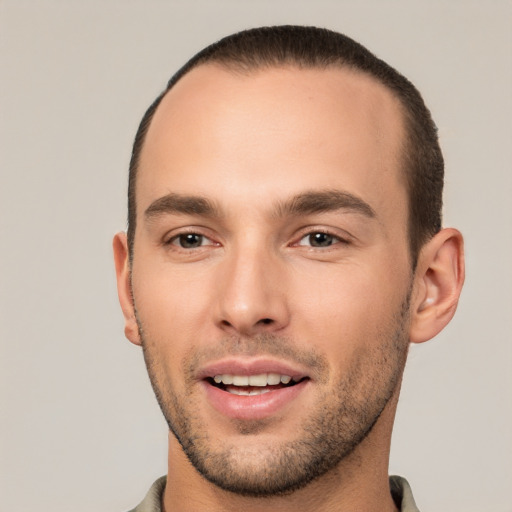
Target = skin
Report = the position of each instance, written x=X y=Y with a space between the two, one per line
x=258 y=286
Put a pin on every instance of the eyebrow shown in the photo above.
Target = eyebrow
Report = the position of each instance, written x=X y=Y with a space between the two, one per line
x=309 y=202
x=182 y=204
x=324 y=201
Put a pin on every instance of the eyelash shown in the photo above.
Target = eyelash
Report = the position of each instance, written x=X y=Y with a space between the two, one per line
x=182 y=235
x=334 y=240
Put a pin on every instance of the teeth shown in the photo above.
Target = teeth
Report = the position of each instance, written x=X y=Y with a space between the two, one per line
x=245 y=392
x=273 y=379
x=225 y=379
x=258 y=380
x=261 y=380
x=240 y=380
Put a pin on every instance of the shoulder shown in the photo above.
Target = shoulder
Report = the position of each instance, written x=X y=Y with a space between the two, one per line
x=153 y=499
x=402 y=494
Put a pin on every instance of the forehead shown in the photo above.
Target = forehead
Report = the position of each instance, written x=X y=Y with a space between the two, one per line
x=277 y=129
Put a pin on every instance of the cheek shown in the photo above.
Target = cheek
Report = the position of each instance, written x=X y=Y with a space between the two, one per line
x=347 y=308
x=172 y=306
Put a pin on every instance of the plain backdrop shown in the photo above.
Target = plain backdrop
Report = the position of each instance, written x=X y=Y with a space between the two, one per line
x=80 y=428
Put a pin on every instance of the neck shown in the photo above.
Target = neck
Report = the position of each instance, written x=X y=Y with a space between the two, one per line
x=360 y=482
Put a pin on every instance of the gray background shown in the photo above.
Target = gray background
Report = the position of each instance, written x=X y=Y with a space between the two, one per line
x=80 y=429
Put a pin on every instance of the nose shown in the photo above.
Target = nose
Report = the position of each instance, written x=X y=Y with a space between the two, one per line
x=252 y=294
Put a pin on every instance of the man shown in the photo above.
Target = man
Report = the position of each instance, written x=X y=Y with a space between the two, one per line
x=284 y=247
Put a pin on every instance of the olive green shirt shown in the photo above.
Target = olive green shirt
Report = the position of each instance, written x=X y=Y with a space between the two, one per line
x=400 y=490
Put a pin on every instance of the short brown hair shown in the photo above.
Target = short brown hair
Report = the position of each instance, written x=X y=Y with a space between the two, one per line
x=312 y=47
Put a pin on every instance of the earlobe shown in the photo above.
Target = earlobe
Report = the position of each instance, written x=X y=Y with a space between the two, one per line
x=122 y=263
x=438 y=282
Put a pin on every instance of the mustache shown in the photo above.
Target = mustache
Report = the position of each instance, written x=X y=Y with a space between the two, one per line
x=260 y=345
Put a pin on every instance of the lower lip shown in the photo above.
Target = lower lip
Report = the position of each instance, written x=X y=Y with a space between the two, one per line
x=252 y=407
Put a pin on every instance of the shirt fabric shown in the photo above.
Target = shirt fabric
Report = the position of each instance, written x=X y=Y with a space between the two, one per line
x=400 y=490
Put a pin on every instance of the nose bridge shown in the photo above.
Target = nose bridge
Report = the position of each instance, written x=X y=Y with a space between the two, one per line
x=251 y=297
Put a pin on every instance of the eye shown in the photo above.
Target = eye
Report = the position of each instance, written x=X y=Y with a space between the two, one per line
x=319 y=239
x=190 y=241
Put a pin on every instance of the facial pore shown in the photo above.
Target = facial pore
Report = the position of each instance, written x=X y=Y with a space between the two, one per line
x=343 y=416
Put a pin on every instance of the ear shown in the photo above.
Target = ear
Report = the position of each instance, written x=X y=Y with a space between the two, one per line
x=124 y=291
x=438 y=282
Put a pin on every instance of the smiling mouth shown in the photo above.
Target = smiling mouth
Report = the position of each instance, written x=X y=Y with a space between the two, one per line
x=251 y=385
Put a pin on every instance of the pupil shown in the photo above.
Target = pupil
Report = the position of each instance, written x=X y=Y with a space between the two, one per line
x=190 y=240
x=320 y=240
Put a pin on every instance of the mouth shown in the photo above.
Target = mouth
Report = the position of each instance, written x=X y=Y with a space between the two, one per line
x=253 y=385
x=253 y=389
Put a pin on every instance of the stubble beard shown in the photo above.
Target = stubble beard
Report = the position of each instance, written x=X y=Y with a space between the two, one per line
x=342 y=418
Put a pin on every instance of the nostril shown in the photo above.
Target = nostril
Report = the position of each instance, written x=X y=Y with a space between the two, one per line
x=248 y=327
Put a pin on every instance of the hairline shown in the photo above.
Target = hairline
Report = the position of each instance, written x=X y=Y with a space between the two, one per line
x=247 y=69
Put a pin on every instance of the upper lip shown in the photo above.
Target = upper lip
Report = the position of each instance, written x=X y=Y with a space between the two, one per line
x=249 y=367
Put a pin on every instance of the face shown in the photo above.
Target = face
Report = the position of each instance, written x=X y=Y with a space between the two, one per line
x=271 y=271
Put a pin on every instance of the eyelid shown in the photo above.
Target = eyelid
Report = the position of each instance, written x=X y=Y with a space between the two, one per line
x=170 y=237
x=342 y=237
x=176 y=239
